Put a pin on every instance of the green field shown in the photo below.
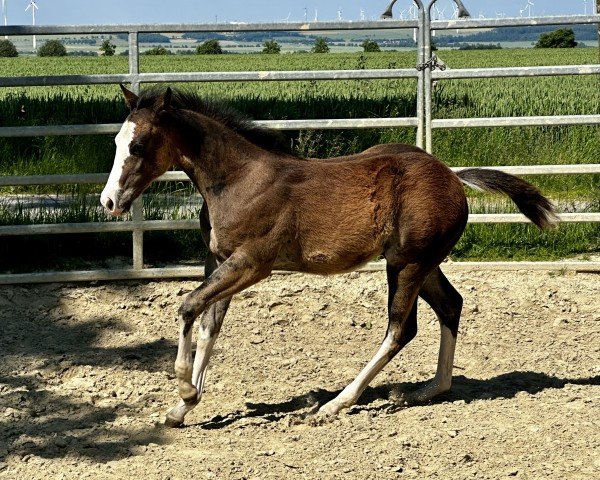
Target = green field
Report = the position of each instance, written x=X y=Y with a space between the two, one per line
x=320 y=99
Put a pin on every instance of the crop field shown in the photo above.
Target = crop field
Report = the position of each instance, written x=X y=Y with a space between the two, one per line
x=306 y=100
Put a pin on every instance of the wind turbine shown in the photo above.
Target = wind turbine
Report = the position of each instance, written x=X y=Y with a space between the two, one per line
x=4 y=15
x=339 y=14
x=439 y=14
x=362 y=15
x=412 y=12
x=455 y=15
x=33 y=7
x=527 y=7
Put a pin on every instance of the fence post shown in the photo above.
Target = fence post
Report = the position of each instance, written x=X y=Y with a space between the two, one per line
x=427 y=76
x=421 y=54
x=598 y=25
x=137 y=207
x=134 y=61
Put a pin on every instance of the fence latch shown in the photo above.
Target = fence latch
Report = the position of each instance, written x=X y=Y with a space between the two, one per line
x=433 y=63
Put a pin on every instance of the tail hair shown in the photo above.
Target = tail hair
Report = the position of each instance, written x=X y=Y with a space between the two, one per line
x=528 y=198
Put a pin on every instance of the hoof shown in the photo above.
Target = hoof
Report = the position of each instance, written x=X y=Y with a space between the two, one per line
x=332 y=408
x=424 y=395
x=413 y=400
x=320 y=418
x=171 y=422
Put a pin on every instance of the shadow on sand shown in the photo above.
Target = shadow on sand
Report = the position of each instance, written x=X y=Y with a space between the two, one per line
x=503 y=386
x=40 y=421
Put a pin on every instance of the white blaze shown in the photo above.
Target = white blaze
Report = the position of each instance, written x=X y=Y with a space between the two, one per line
x=111 y=190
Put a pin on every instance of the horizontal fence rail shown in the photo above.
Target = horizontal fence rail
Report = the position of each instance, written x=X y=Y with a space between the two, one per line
x=423 y=121
x=98 y=227
x=258 y=76
x=542 y=121
x=496 y=72
x=474 y=23
x=112 y=128
x=212 y=27
x=342 y=123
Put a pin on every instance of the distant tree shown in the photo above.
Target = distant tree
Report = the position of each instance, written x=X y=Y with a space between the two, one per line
x=154 y=38
x=82 y=53
x=320 y=46
x=52 y=48
x=107 y=48
x=209 y=47
x=479 y=46
x=271 y=46
x=8 y=49
x=561 y=38
x=370 y=46
x=147 y=37
x=157 y=51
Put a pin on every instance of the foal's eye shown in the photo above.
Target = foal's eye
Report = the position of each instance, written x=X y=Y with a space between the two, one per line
x=137 y=149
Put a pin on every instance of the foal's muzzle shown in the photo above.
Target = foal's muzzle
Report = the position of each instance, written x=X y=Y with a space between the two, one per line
x=112 y=203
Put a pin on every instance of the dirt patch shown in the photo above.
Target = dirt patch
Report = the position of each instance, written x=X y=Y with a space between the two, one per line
x=86 y=378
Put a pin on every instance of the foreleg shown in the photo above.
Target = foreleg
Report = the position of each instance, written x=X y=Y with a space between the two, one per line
x=235 y=274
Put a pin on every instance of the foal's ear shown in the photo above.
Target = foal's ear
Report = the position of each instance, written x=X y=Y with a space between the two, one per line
x=130 y=98
x=165 y=102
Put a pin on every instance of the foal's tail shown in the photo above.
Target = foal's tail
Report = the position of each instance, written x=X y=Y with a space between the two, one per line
x=528 y=198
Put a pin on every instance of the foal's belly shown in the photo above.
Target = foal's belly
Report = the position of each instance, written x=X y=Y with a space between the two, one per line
x=323 y=261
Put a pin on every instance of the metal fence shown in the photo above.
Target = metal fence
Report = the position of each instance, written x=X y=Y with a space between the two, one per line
x=424 y=74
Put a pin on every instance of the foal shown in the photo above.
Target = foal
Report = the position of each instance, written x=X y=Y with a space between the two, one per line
x=266 y=209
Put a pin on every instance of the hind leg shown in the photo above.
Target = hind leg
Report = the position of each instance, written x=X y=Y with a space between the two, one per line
x=404 y=285
x=447 y=304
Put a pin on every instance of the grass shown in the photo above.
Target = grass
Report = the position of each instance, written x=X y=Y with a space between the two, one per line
x=525 y=242
x=302 y=100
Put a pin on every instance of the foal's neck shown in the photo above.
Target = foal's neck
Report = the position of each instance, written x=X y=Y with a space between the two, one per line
x=216 y=157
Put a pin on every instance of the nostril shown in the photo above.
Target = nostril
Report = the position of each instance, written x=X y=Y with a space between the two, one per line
x=109 y=204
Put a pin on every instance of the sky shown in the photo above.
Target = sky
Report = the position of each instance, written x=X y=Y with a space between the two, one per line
x=72 y=12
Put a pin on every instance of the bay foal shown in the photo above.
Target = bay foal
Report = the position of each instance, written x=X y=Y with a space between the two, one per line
x=266 y=209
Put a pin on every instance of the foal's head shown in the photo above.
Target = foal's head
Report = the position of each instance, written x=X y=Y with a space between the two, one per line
x=144 y=153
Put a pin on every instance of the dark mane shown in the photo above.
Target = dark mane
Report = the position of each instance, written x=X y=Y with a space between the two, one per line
x=267 y=138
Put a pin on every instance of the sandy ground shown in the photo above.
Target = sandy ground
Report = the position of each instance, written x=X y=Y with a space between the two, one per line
x=86 y=378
